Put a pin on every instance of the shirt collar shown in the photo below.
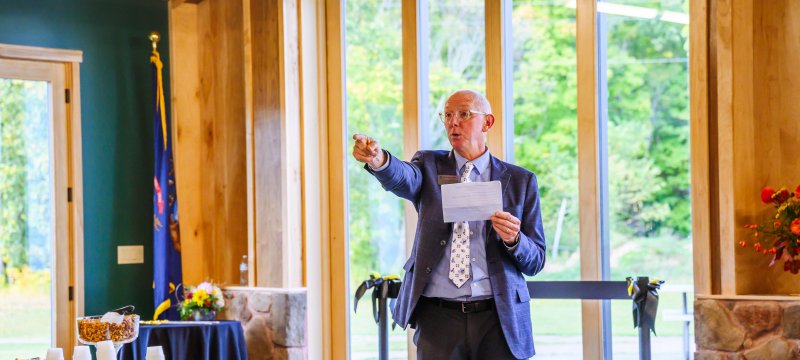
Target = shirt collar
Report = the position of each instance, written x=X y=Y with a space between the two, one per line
x=481 y=163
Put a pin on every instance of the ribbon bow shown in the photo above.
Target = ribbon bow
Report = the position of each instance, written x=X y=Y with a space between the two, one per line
x=645 y=302
x=383 y=287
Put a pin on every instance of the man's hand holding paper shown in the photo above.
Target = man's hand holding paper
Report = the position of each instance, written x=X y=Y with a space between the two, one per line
x=471 y=201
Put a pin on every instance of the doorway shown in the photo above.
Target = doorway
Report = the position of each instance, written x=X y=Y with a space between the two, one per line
x=41 y=253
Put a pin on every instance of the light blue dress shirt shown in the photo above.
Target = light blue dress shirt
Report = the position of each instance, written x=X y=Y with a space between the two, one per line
x=478 y=286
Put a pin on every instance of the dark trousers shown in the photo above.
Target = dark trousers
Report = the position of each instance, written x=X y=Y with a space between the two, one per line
x=445 y=333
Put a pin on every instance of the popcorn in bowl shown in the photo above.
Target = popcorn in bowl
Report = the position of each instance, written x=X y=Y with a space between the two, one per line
x=115 y=327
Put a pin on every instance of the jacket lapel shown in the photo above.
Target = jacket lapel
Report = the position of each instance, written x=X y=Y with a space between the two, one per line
x=446 y=165
x=499 y=173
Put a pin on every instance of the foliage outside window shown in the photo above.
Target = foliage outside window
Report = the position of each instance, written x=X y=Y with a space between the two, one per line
x=25 y=217
x=456 y=58
x=374 y=96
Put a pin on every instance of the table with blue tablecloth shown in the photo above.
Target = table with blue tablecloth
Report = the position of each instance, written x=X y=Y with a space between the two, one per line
x=203 y=340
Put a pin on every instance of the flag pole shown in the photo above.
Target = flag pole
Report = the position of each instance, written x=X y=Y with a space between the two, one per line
x=167 y=272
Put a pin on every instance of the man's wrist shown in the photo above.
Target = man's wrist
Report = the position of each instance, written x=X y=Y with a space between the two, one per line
x=381 y=164
x=514 y=242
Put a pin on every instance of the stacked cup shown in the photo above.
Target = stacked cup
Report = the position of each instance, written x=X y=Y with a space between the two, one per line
x=55 y=354
x=81 y=353
x=105 y=350
x=155 y=353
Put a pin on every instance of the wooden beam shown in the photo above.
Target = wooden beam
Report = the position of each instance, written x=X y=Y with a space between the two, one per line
x=588 y=174
x=774 y=131
x=274 y=64
x=411 y=96
x=699 y=138
x=265 y=64
x=337 y=186
x=725 y=145
x=188 y=136
x=744 y=182
x=411 y=115
x=498 y=80
x=221 y=95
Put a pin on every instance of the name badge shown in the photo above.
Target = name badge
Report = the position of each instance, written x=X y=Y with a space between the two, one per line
x=448 y=179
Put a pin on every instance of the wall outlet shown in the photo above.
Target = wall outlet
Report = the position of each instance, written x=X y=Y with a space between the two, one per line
x=132 y=254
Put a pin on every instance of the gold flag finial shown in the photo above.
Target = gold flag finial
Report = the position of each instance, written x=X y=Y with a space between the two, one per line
x=154 y=37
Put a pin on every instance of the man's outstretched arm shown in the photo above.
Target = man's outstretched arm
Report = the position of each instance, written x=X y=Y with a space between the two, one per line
x=404 y=179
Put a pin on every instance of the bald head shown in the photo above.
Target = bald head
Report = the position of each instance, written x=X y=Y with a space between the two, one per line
x=467 y=135
x=477 y=100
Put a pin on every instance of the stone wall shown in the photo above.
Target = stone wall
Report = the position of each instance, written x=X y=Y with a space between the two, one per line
x=751 y=329
x=274 y=320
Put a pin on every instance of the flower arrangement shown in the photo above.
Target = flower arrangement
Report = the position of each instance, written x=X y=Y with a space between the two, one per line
x=201 y=302
x=779 y=238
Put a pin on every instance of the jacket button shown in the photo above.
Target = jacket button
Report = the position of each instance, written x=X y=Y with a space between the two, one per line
x=443 y=242
x=428 y=270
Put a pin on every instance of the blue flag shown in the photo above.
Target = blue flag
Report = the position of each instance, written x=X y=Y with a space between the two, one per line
x=167 y=274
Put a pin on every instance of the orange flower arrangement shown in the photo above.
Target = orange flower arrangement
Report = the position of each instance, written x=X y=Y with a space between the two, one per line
x=781 y=238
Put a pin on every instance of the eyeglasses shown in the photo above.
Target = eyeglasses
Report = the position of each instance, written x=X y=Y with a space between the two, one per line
x=448 y=117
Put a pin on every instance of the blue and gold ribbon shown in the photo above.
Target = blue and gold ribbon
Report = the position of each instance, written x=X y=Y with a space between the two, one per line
x=383 y=287
x=645 y=302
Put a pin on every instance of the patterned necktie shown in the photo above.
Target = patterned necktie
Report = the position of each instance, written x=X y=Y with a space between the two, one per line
x=459 y=249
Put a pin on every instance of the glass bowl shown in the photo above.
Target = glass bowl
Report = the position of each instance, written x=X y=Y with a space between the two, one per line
x=92 y=330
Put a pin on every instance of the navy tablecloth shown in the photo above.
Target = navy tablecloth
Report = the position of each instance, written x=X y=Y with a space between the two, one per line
x=186 y=340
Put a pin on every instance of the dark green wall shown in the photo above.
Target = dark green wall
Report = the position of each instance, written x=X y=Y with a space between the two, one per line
x=116 y=121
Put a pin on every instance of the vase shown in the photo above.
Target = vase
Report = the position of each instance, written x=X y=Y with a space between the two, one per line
x=203 y=315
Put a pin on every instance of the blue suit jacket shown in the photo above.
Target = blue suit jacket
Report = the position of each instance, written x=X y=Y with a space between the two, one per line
x=417 y=181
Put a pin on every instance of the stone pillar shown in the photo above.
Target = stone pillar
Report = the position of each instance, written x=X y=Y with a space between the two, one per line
x=274 y=320
x=752 y=328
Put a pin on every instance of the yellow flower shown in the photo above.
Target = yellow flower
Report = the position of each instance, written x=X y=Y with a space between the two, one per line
x=199 y=297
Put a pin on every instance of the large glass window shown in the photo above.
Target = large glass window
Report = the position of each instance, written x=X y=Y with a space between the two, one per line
x=644 y=113
x=643 y=122
x=373 y=45
x=456 y=59
x=545 y=142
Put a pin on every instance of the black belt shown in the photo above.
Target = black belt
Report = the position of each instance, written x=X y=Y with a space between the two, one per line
x=465 y=307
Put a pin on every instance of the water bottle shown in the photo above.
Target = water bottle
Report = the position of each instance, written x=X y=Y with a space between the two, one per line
x=243 y=271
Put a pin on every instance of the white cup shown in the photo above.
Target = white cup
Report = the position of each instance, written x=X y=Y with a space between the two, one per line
x=105 y=350
x=55 y=354
x=155 y=353
x=81 y=352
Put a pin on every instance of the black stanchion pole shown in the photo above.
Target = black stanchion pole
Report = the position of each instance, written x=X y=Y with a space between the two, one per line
x=383 y=289
x=644 y=326
x=383 y=325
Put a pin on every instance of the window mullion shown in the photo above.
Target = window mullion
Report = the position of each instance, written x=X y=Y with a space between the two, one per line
x=588 y=174
x=498 y=80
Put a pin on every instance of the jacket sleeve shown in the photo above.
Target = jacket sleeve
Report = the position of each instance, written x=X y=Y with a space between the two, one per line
x=402 y=178
x=529 y=254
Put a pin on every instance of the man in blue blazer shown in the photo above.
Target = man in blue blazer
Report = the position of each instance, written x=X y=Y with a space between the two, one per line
x=464 y=289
